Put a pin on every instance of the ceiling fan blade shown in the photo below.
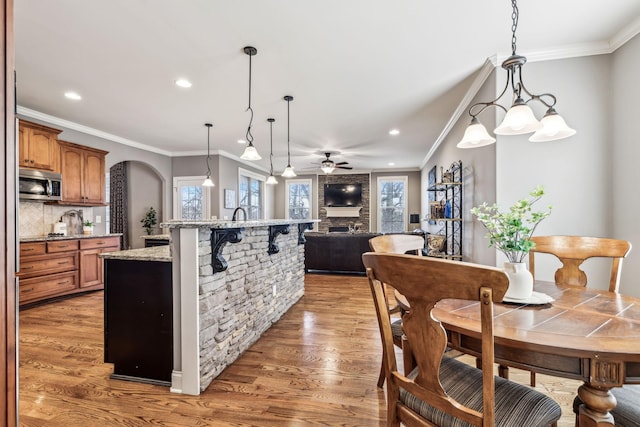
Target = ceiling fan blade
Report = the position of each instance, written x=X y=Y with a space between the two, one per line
x=342 y=163
x=344 y=167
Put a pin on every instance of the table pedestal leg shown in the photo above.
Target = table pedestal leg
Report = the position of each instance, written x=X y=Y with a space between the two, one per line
x=594 y=412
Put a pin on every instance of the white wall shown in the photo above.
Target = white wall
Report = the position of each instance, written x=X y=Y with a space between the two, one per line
x=625 y=146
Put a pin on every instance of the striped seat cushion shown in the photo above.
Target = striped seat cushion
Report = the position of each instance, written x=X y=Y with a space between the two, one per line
x=516 y=405
x=396 y=328
x=627 y=411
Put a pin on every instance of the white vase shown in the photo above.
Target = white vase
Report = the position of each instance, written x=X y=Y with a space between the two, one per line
x=520 y=280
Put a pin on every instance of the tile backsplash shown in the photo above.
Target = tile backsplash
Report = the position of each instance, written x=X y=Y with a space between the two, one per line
x=37 y=219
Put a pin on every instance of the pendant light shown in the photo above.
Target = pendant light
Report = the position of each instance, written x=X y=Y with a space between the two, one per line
x=250 y=153
x=208 y=182
x=272 y=179
x=519 y=119
x=288 y=171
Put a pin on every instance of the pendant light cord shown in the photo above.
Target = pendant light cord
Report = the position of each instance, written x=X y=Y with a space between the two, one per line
x=208 y=125
x=271 y=137
x=249 y=136
x=288 y=152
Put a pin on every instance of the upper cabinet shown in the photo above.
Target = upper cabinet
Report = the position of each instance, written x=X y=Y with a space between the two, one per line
x=38 y=147
x=82 y=171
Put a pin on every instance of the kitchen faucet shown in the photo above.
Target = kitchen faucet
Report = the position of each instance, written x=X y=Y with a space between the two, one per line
x=235 y=212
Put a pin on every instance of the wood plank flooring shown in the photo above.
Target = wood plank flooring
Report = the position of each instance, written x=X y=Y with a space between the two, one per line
x=317 y=366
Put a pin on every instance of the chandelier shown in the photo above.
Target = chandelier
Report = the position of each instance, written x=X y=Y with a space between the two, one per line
x=272 y=179
x=519 y=119
x=250 y=153
x=288 y=171
x=208 y=182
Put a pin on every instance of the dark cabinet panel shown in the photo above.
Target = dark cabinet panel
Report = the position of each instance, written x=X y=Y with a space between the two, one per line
x=138 y=320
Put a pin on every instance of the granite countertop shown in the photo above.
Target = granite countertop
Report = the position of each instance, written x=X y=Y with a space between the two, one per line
x=154 y=253
x=218 y=223
x=156 y=236
x=70 y=237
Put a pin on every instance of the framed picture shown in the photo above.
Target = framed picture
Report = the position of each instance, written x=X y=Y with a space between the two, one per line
x=229 y=199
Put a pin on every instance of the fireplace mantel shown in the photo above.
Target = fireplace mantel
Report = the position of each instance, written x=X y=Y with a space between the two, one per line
x=343 y=212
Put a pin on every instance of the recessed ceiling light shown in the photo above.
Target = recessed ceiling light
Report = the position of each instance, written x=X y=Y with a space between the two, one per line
x=242 y=141
x=183 y=83
x=394 y=132
x=73 y=95
x=391 y=164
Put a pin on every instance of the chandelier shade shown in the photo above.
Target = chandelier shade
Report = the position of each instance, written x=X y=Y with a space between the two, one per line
x=250 y=152
x=475 y=135
x=553 y=127
x=519 y=119
x=288 y=171
x=207 y=181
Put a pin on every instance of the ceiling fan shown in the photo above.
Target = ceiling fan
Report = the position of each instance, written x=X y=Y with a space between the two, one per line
x=329 y=165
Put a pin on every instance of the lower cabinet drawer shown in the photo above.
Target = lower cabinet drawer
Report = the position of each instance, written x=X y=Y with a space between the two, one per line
x=42 y=287
x=99 y=242
x=47 y=264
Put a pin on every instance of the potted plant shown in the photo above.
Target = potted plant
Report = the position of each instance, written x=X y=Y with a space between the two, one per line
x=87 y=227
x=149 y=220
x=509 y=232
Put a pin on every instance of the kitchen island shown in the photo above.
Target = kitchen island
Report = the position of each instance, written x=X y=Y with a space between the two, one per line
x=231 y=280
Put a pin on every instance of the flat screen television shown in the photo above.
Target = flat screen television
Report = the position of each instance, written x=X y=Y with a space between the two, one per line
x=337 y=195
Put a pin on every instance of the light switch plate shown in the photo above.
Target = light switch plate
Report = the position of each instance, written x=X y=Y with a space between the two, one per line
x=98 y=219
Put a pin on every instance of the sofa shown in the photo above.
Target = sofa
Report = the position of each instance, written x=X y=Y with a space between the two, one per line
x=336 y=252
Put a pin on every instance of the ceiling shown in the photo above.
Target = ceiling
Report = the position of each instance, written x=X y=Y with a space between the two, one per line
x=356 y=69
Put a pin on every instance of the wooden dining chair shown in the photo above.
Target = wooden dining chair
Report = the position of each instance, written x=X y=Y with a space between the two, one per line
x=572 y=251
x=443 y=391
x=396 y=244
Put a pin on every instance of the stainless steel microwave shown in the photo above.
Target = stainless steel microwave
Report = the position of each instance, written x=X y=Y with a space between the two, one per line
x=39 y=185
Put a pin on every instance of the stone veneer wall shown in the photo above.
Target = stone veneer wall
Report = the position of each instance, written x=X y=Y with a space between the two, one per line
x=238 y=305
x=364 y=218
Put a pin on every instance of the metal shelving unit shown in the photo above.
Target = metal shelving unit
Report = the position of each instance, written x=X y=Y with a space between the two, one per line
x=447 y=211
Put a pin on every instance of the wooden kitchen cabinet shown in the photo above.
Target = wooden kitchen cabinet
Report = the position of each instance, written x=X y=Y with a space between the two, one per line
x=47 y=274
x=55 y=268
x=91 y=265
x=82 y=174
x=38 y=147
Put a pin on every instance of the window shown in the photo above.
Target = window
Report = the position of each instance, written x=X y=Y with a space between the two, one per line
x=251 y=191
x=298 y=199
x=191 y=201
x=392 y=204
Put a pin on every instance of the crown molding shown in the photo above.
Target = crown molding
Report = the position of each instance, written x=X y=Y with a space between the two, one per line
x=27 y=112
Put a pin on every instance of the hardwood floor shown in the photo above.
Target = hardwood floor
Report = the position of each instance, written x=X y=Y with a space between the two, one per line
x=318 y=365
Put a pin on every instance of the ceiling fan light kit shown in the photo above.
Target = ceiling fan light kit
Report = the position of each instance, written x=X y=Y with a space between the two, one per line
x=328 y=166
x=208 y=182
x=288 y=171
x=519 y=119
x=250 y=152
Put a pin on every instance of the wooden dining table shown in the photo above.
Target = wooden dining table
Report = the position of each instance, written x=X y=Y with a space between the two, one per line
x=585 y=334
